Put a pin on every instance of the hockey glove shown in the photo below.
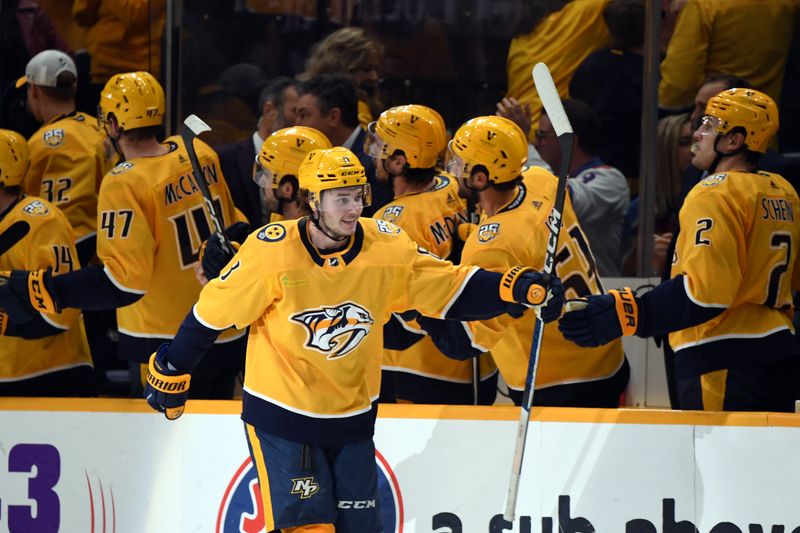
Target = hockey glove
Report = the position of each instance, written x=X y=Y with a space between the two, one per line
x=24 y=293
x=525 y=286
x=602 y=319
x=213 y=256
x=167 y=389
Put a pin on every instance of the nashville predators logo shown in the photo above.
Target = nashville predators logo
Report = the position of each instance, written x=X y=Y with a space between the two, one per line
x=487 y=232
x=36 y=208
x=54 y=138
x=335 y=331
x=304 y=486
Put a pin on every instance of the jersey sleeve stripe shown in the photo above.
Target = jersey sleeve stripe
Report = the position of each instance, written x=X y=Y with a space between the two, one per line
x=205 y=323
x=119 y=285
x=447 y=307
x=54 y=323
x=695 y=300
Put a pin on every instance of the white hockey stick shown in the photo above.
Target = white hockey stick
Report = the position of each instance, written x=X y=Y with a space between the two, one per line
x=192 y=127
x=555 y=112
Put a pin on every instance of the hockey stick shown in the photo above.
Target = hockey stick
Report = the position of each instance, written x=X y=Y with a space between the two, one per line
x=13 y=234
x=555 y=112
x=192 y=127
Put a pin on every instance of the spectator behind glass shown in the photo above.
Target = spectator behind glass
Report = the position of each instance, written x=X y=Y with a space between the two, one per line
x=610 y=82
x=673 y=153
x=352 y=52
x=599 y=192
x=122 y=37
x=748 y=38
x=562 y=40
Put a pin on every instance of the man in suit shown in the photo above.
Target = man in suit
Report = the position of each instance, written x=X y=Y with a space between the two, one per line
x=330 y=104
x=277 y=104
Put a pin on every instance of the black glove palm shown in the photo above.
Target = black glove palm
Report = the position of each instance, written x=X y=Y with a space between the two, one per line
x=213 y=256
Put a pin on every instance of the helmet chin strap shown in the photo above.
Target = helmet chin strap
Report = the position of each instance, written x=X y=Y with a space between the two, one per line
x=712 y=169
x=316 y=221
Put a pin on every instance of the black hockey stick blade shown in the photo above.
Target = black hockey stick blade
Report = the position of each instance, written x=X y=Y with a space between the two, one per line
x=192 y=127
x=11 y=236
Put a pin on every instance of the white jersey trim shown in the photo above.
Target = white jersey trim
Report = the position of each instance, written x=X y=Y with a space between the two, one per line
x=45 y=372
x=730 y=336
x=409 y=328
x=434 y=376
x=458 y=292
x=695 y=300
x=145 y=335
x=119 y=285
x=203 y=322
x=297 y=411
x=54 y=323
x=87 y=236
x=472 y=339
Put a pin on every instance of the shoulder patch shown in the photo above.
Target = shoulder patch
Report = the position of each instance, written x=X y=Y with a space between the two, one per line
x=121 y=167
x=440 y=182
x=714 y=179
x=387 y=227
x=53 y=138
x=36 y=208
x=392 y=213
x=272 y=233
x=487 y=232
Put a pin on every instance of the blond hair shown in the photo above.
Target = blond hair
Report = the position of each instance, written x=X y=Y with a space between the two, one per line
x=668 y=175
x=346 y=51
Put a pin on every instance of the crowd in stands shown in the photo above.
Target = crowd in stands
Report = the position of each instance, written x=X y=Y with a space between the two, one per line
x=82 y=113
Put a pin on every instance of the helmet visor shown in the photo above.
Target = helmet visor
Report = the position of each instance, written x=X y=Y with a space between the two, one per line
x=709 y=124
x=264 y=177
x=373 y=144
x=454 y=164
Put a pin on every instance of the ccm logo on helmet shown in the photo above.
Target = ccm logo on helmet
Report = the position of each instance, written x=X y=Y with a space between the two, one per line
x=356 y=504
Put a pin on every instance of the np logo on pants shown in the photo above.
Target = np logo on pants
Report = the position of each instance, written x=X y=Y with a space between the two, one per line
x=304 y=486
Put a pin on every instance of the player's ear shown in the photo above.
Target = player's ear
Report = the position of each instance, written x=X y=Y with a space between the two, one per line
x=334 y=115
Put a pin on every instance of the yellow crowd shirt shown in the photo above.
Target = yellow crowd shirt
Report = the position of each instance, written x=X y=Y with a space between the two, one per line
x=68 y=161
x=316 y=321
x=151 y=222
x=49 y=243
x=748 y=38
x=737 y=250
x=562 y=41
x=518 y=235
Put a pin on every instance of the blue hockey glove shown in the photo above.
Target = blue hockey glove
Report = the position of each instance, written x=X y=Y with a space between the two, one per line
x=213 y=256
x=167 y=389
x=24 y=293
x=525 y=286
x=601 y=319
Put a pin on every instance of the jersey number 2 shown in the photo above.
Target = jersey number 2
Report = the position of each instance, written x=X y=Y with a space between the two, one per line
x=778 y=241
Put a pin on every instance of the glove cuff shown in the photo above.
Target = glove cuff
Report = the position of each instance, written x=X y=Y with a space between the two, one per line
x=627 y=310
x=40 y=289
x=164 y=380
x=535 y=295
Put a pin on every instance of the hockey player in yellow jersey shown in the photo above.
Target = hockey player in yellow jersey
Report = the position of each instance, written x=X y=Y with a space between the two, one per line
x=69 y=153
x=487 y=154
x=316 y=292
x=728 y=305
x=277 y=168
x=48 y=354
x=405 y=143
x=151 y=221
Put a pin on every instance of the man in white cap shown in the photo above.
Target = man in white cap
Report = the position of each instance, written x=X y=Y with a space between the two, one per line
x=68 y=155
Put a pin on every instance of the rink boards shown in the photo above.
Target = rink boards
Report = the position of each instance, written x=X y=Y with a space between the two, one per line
x=115 y=466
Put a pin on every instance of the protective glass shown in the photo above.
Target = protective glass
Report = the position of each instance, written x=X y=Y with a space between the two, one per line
x=709 y=124
x=373 y=144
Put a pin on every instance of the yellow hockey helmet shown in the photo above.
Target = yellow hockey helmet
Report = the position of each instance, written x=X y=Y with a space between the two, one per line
x=750 y=109
x=494 y=142
x=332 y=168
x=14 y=158
x=284 y=151
x=136 y=99
x=417 y=130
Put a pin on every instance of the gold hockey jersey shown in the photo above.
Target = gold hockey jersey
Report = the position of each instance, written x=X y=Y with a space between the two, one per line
x=517 y=235
x=50 y=242
x=68 y=161
x=737 y=250
x=151 y=222
x=431 y=219
x=316 y=321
